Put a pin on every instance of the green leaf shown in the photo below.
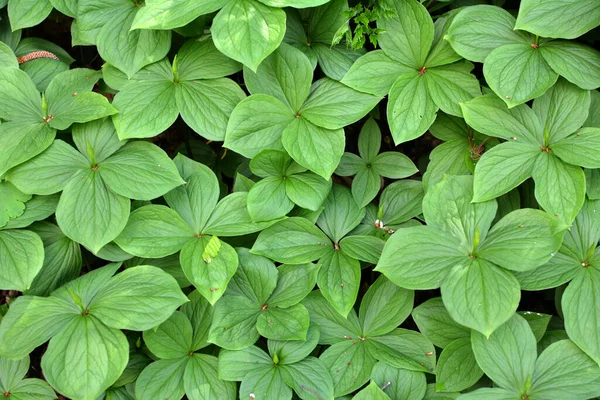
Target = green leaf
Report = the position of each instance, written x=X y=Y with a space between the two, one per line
x=24 y=14
x=334 y=327
x=270 y=163
x=140 y=170
x=234 y=323
x=518 y=73
x=457 y=368
x=200 y=59
x=508 y=355
x=248 y=31
x=371 y=392
x=154 y=231
x=146 y=108
x=101 y=356
x=564 y=370
x=309 y=378
x=158 y=15
x=235 y=365
x=537 y=322
x=268 y=200
x=40 y=317
x=197 y=199
x=448 y=207
x=81 y=212
x=13 y=205
x=20 y=98
x=437 y=325
x=480 y=295
x=308 y=190
x=559 y=187
x=410 y=110
x=23 y=252
x=339 y=280
x=522 y=240
x=206 y=105
x=294 y=283
x=210 y=276
x=20 y=142
x=333 y=105
x=231 y=218
x=400 y=202
x=292 y=351
x=341 y=214
x=7 y=57
x=489 y=115
x=62 y=260
x=562 y=110
x=36 y=209
x=577 y=149
x=257 y=123
x=449 y=85
x=503 y=168
x=33 y=388
x=581 y=309
x=286 y=75
x=362 y=247
x=407 y=33
x=283 y=323
x=294 y=241
x=50 y=171
x=403 y=348
x=573 y=61
x=489 y=394
x=404 y=384
x=479 y=29
x=70 y=99
x=570 y=19
x=349 y=364
x=129 y=50
x=162 y=379
x=374 y=73
x=441 y=52
x=313 y=147
x=201 y=382
x=382 y=297
x=365 y=186
x=265 y=384
x=138 y=298
x=172 y=338
x=96 y=140
x=419 y=257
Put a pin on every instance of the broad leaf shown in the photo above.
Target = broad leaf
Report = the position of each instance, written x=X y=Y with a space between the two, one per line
x=508 y=355
x=480 y=295
x=457 y=368
x=23 y=255
x=151 y=293
x=248 y=31
x=570 y=19
x=85 y=358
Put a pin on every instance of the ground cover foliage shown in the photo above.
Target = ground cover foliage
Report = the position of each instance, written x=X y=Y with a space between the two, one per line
x=299 y=199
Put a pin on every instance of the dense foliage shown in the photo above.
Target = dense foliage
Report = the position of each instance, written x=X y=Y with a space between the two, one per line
x=314 y=199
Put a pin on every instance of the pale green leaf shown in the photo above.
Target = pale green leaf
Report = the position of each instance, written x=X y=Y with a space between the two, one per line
x=248 y=31
x=419 y=257
x=518 y=73
x=508 y=355
x=457 y=368
x=138 y=298
x=314 y=147
x=574 y=61
x=154 y=231
x=374 y=73
x=568 y=20
x=480 y=295
x=479 y=29
x=85 y=358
